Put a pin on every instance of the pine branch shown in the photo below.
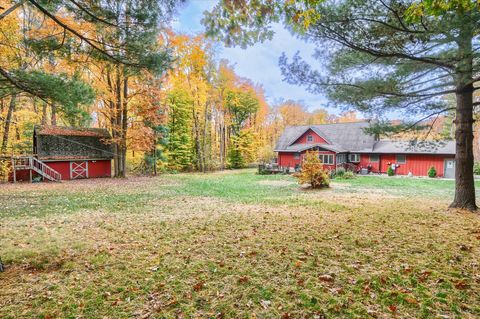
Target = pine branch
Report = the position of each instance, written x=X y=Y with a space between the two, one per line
x=79 y=35
x=85 y=10
x=342 y=39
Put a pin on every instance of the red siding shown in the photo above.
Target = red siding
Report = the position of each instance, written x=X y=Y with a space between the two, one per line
x=417 y=164
x=316 y=138
x=365 y=161
x=61 y=167
x=287 y=159
x=22 y=176
x=98 y=168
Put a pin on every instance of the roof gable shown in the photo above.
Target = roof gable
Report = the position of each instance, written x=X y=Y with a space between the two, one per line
x=345 y=137
x=317 y=137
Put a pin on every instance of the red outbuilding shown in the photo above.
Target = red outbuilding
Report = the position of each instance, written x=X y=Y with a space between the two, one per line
x=350 y=146
x=62 y=153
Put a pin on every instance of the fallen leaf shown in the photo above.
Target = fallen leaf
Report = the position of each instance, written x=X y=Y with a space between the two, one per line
x=461 y=285
x=243 y=280
x=326 y=278
x=198 y=286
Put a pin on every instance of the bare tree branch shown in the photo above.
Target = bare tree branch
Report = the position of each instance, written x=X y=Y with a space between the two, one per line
x=11 y=9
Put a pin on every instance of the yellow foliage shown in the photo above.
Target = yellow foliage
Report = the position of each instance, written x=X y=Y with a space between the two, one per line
x=313 y=172
x=4 y=170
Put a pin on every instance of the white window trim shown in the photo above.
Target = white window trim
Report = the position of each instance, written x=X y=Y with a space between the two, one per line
x=352 y=155
x=309 y=138
x=404 y=156
x=374 y=161
x=330 y=158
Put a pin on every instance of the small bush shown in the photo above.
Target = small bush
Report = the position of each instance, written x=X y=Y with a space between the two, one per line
x=476 y=168
x=340 y=172
x=313 y=172
x=349 y=175
x=343 y=174
x=390 y=171
x=432 y=172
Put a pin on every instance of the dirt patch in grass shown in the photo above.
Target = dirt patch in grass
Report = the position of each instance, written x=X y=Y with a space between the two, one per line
x=200 y=256
x=280 y=183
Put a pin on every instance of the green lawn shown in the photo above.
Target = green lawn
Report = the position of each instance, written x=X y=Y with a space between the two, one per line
x=236 y=244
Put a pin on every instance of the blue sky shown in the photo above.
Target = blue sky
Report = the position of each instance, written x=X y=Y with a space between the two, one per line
x=259 y=62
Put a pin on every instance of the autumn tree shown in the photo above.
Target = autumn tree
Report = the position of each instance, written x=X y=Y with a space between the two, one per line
x=313 y=173
x=27 y=53
x=180 y=144
x=377 y=56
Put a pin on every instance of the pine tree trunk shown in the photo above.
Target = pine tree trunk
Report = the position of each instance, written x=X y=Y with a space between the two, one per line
x=8 y=120
x=464 y=180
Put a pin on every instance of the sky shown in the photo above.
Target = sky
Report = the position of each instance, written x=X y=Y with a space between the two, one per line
x=259 y=63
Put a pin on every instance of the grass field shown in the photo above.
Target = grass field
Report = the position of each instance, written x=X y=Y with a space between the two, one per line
x=237 y=245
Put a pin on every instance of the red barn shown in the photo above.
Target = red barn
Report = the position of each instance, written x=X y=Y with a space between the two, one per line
x=348 y=145
x=62 y=153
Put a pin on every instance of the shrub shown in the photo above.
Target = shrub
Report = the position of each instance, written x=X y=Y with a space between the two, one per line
x=390 y=171
x=476 y=168
x=340 y=172
x=432 y=172
x=313 y=172
x=349 y=175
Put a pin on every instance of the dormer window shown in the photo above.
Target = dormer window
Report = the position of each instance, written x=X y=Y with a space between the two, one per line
x=309 y=138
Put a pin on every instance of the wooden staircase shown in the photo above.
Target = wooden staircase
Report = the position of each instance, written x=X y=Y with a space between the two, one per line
x=33 y=164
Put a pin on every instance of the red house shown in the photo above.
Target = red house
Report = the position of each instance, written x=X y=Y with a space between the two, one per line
x=347 y=144
x=62 y=153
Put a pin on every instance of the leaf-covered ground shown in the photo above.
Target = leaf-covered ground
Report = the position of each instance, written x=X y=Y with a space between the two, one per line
x=235 y=244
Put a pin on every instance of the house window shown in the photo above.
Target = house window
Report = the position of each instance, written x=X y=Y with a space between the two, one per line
x=296 y=155
x=326 y=159
x=341 y=158
x=309 y=138
x=354 y=158
x=374 y=158
x=401 y=159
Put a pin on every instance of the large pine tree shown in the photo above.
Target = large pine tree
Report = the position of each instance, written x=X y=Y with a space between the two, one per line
x=377 y=56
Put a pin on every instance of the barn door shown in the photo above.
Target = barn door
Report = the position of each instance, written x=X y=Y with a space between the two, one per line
x=79 y=169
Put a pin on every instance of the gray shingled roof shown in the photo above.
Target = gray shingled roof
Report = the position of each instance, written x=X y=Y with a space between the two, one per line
x=414 y=147
x=342 y=136
x=303 y=147
x=351 y=137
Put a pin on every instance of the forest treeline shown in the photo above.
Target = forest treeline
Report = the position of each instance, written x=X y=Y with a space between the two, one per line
x=195 y=113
